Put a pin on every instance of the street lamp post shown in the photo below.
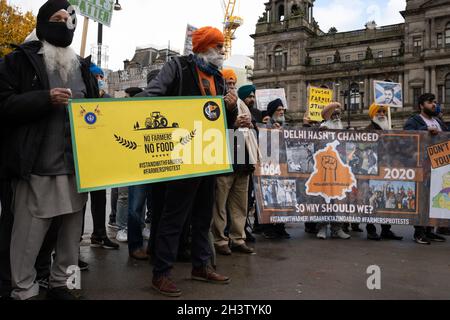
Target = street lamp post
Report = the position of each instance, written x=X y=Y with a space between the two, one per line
x=117 y=7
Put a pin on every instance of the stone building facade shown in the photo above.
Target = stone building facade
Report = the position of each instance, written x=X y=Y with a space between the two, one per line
x=292 y=52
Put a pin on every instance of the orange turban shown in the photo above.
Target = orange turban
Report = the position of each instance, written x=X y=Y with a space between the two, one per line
x=229 y=74
x=205 y=38
x=374 y=109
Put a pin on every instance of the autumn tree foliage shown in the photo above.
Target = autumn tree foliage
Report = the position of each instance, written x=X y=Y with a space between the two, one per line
x=15 y=26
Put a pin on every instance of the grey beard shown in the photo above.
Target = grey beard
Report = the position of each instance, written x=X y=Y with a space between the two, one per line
x=384 y=124
x=280 y=120
x=64 y=61
x=333 y=124
x=212 y=57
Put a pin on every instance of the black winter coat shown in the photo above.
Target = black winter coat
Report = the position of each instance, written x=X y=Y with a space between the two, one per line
x=25 y=105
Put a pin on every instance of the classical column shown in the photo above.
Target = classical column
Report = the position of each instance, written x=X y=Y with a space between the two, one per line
x=303 y=95
x=286 y=9
x=367 y=93
x=406 y=88
x=400 y=80
x=433 y=81
x=427 y=42
x=427 y=79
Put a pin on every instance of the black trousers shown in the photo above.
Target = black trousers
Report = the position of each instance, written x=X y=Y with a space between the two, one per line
x=370 y=228
x=44 y=259
x=98 y=209
x=177 y=201
x=114 y=197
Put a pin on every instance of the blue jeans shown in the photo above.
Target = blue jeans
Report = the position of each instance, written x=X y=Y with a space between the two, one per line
x=137 y=196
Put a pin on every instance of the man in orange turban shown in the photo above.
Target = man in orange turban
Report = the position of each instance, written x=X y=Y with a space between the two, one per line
x=174 y=202
x=378 y=117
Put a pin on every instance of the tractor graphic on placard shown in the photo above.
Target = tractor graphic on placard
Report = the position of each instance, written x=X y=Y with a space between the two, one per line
x=156 y=121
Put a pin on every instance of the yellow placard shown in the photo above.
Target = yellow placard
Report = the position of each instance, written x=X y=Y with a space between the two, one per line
x=121 y=142
x=319 y=98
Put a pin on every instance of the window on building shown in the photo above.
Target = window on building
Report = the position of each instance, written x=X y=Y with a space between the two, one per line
x=317 y=61
x=278 y=58
x=360 y=56
x=417 y=44
x=380 y=54
x=447 y=35
x=281 y=13
x=285 y=55
x=394 y=52
x=329 y=59
x=439 y=40
x=347 y=57
x=447 y=90
x=416 y=94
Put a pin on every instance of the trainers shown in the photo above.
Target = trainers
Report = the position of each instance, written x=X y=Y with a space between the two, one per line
x=390 y=236
x=434 y=237
x=113 y=225
x=243 y=248
x=165 y=286
x=444 y=231
x=322 y=233
x=280 y=230
x=63 y=293
x=208 y=274
x=122 y=235
x=340 y=234
x=421 y=239
x=139 y=254
x=104 y=243
x=270 y=234
x=146 y=233
x=83 y=265
x=373 y=236
x=43 y=283
x=223 y=250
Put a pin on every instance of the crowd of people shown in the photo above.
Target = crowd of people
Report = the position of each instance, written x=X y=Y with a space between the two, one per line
x=42 y=217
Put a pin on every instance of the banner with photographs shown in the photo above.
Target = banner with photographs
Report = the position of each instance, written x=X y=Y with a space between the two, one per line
x=388 y=94
x=381 y=177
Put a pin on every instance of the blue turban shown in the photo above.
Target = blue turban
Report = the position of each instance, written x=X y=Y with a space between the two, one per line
x=95 y=70
x=245 y=91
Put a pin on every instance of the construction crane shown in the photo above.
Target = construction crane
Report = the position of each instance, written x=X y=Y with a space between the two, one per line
x=230 y=24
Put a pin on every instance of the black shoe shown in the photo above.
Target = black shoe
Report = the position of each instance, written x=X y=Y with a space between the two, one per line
x=62 y=293
x=434 y=237
x=344 y=228
x=104 y=243
x=249 y=237
x=258 y=229
x=421 y=239
x=390 y=236
x=373 y=236
x=270 y=234
x=444 y=231
x=83 y=265
x=43 y=283
x=357 y=229
x=280 y=230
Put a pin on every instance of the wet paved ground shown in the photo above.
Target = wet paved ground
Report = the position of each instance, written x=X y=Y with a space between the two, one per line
x=299 y=268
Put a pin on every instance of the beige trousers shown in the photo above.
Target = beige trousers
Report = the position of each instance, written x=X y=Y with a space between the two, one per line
x=231 y=197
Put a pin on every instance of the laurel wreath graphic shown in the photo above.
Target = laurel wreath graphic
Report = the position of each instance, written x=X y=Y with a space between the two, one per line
x=185 y=140
x=126 y=143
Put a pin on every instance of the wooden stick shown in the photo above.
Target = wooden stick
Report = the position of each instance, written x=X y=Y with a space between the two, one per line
x=389 y=118
x=84 y=37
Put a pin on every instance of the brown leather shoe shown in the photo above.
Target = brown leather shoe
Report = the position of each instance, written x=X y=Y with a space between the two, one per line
x=139 y=254
x=165 y=286
x=243 y=248
x=208 y=274
x=223 y=250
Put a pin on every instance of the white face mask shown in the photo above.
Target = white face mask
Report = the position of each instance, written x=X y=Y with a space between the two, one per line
x=212 y=56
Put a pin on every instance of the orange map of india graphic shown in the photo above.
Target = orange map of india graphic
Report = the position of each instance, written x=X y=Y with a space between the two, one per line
x=331 y=178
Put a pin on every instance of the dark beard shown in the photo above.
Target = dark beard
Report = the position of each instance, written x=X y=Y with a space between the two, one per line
x=429 y=112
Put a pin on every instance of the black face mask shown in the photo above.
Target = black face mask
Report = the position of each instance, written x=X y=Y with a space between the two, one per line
x=430 y=113
x=57 y=34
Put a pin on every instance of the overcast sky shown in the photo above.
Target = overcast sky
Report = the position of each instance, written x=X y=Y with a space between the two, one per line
x=143 y=22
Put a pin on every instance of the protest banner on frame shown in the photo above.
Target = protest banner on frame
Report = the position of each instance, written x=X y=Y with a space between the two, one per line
x=347 y=176
x=319 y=98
